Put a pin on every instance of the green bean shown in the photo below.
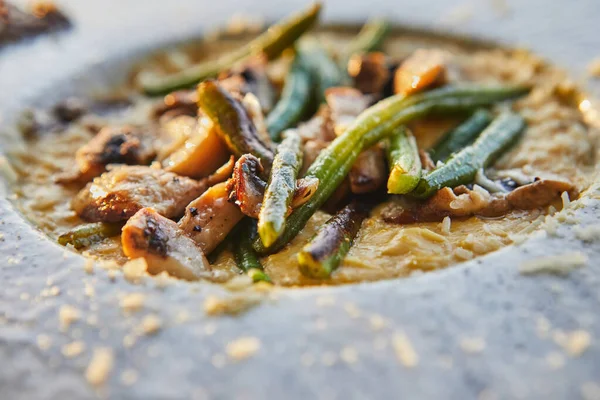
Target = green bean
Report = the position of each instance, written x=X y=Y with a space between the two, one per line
x=404 y=161
x=294 y=100
x=461 y=168
x=461 y=136
x=324 y=70
x=88 y=234
x=377 y=122
x=244 y=255
x=272 y=42
x=326 y=250
x=235 y=126
x=369 y=38
x=280 y=189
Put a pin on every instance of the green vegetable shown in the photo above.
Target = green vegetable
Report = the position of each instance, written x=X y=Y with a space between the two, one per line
x=272 y=42
x=86 y=235
x=294 y=101
x=281 y=188
x=461 y=168
x=235 y=126
x=461 y=136
x=324 y=70
x=404 y=161
x=330 y=245
x=244 y=255
x=369 y=38
x=375 y=123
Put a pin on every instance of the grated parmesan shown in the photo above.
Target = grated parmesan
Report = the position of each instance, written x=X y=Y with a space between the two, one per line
x=100 y=366
x=67 y=315
x=243 y=348
x=560 y=264
x=404 y=349
x=588 y=233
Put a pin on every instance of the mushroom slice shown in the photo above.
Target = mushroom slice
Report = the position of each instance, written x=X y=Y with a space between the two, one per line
x=368 y=171
x=423 y=69
x=201 y=153
x=119 y=193
x=112 y=145
x=209 y=218
x=540 y=193
x=246 y=186
x=370 y=72
x=164 y=246
x=181 y=102
x=319 y=127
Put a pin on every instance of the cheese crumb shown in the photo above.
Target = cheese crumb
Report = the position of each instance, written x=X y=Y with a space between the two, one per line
x=88 y=266
x=377 y=322
x=349 y=355
x=555 y=360
x=472 y=344
x=405 y=352
x=588 y=233
x=44 y=342
x=560 y=264
x=129 y=376
x=100 y=366
x=73 y=349
x=133 y=302
x=231 y=305
x=575 y=343
x=135 y=270
x=446 y=224
x=243 y=348
x=67 y=315
x=151 y=324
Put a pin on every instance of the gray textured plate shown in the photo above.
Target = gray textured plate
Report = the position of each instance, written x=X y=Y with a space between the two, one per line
x=481 y=330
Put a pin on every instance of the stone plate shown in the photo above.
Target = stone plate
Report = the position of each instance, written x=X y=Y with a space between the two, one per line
x=478 y=330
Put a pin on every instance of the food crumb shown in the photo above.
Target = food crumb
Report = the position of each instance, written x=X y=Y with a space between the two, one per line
x=243 y=348
x=135 y=270
x=44 y=341
x=67 y=315
x=575 y=343
x=129 y=340
x=593 y=68
x=129 y=376
x=352 y=310
x=590 y=391
x=73 y=349
x=133 y=302
x=151 y=324
x=89 y=290
x=100 y=366
x=405 y=352
x=88 y=266
x=559 y=264
x=446 y=224
x=555 y=360
x=472 y=345
x=377 y=322
x=349 y=355
x=231 y=305
x=588 y=233
x=218 y=360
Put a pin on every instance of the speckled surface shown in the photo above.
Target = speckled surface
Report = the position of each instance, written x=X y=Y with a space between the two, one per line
x=481 y=329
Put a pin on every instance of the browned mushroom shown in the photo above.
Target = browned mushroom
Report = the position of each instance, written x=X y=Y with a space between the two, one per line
x=163 y=245
x=119 y=193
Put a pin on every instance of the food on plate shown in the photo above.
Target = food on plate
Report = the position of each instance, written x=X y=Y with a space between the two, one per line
x=309 y=155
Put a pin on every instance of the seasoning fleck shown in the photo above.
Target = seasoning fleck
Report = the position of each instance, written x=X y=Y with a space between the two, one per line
x=243 y=348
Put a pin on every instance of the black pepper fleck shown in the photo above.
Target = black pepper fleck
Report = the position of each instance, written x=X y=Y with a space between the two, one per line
x=193 y=211
x=197 y=228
